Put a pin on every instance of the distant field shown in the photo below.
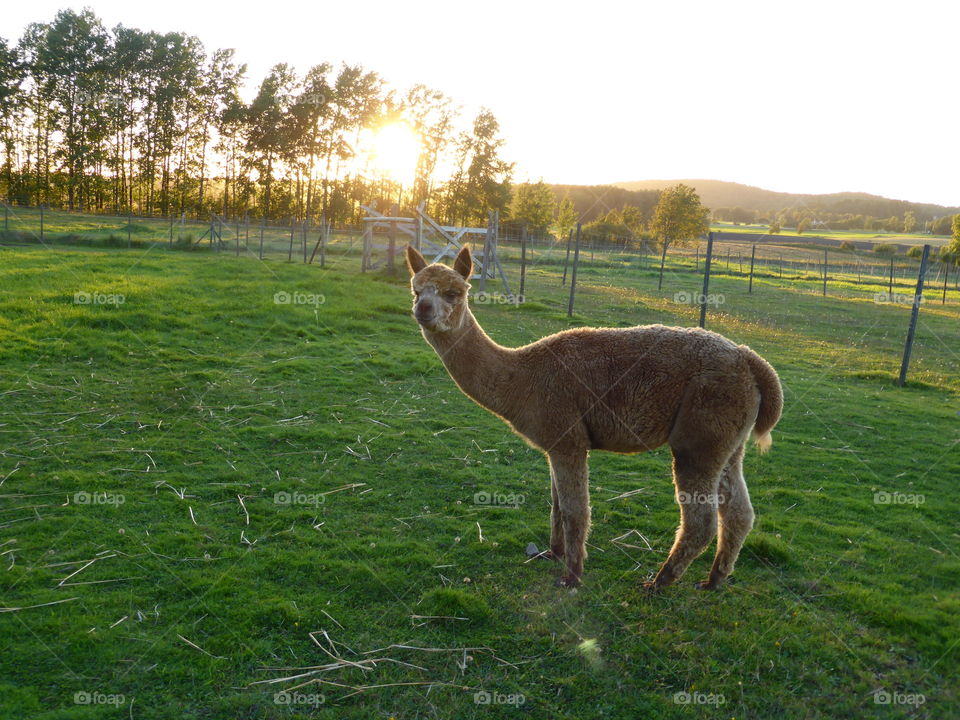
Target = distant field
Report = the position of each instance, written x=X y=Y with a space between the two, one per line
x=874 y=237
x=228 y=471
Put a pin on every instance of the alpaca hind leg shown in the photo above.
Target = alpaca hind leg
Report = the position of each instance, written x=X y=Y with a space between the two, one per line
x=556 y=521
x=573 y=500
x=696 y=481
x=736 y=520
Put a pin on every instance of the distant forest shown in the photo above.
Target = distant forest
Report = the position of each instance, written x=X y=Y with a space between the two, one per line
x=126 y=120
x=735 y=202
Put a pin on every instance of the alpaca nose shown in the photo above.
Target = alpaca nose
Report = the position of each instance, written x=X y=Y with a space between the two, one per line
x=423 y=309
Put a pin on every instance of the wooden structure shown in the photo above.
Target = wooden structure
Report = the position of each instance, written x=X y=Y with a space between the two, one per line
x=434 y=240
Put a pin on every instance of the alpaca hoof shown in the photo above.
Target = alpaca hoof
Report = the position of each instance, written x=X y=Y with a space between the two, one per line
x=568 y=581
x=713 y=584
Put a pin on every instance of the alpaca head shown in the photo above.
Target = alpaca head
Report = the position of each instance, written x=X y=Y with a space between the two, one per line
x=440 y=293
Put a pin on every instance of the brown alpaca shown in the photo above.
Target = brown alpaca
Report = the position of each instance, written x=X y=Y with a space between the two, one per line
x=624 y=390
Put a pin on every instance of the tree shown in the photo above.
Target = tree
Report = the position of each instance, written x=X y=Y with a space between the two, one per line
x=566 y=216
x=942 y=225
x=432 y=113
x=774 y=227
x=534 y=204
x=678 y=217
x=909 y=221
x=955 y=242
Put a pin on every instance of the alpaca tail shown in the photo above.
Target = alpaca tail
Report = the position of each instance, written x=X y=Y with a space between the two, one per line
x=771 y=398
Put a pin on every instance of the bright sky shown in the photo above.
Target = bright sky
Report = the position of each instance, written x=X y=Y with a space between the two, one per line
x=799 y=97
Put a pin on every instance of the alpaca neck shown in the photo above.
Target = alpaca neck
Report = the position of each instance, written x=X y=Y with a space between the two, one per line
x=476 y=363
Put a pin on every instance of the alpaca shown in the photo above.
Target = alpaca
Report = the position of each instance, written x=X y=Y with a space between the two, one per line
x=623 y=390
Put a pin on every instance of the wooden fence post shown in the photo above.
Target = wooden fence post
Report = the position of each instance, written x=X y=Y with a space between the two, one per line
x=663 y=260
x=262 y=223
x=170 y=241
x=290 y=250
x=41 y=223
x=573 y=274
x=523 y=263
x=129 y=229
x=917 y=299
x=392 y=249
x=566 y=260
x=890 y=288
x=825 y=261
x=753 y=255
x=706 y=280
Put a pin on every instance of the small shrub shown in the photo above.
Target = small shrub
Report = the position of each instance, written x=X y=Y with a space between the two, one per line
x=885 y=249
x=915 y=252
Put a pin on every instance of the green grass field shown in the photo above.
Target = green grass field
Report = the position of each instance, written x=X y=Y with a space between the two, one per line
x=243 y=489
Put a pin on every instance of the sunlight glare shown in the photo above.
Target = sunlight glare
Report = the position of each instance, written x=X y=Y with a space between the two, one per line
x=396 y=148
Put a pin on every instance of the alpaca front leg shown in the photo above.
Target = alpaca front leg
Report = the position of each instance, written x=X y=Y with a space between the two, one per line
x=573 y=500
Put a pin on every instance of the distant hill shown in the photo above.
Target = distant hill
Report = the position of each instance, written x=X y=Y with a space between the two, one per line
x=719 y=193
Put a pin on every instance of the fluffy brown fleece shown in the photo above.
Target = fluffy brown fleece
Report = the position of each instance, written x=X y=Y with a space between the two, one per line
x=624 y=390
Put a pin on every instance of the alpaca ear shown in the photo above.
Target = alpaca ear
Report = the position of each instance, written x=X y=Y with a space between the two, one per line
x=415 y=261
x=464 y=263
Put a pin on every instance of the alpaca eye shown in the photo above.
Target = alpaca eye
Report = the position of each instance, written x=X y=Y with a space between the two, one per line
x=452 y=296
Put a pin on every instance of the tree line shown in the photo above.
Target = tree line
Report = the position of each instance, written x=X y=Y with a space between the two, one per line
x=125 y=120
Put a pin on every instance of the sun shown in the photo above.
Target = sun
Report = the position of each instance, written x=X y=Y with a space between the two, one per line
x=396 y=147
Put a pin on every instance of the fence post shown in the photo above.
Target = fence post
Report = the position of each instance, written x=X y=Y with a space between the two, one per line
x=41 y=223
x=566 y=260
x=890 y=288
x=946 y=274
x=324 y=229
x=753 y=255
x=290 y=250
x=419 y=238
x=917 y=299
x=523 y=262
x=706 y=280
x=262 y=223
x=392 y=248
x=573 y=274
x=696 y=260
x=129 y=223
x=170 y=241
x=825 y=261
